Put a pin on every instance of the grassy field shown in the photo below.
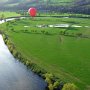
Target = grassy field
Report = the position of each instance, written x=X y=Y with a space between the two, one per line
x=8 y=14
x=65 y=55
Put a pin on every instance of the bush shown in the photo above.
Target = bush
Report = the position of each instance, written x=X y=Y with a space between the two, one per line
x=50 y=87
x=56 y=84
x=47 y=33
x=49 y=78
x=69 y=86
x=79 y=34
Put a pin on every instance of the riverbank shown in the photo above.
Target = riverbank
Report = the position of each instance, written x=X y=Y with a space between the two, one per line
x=53 y=83
x=14 y=75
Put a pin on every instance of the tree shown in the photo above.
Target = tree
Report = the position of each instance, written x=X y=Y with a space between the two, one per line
x=50 y=87
x=69 y=86
x=79 y=34
x=49 y=78
x=56 y=84
x=2 y=16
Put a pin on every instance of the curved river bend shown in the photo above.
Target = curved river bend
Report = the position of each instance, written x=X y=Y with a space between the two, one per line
x=14 y=75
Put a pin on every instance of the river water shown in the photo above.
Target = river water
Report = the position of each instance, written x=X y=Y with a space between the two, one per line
x=14 y=75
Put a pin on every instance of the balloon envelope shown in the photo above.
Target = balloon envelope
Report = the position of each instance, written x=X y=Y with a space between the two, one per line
x=32 y=12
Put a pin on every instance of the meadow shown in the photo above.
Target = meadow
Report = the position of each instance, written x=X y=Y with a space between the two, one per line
x=7 y=14
x=63 y=51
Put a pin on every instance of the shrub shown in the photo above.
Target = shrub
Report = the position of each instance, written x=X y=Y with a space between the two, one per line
x=49 y=78
x=56 y=84
x=47 y=33
x=69 y=86
x=50 y=87
x=79 y=34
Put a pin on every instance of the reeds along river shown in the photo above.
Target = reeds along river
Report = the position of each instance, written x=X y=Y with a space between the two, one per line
x=14 y=75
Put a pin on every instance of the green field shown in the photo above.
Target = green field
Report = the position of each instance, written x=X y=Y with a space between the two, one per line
x=8 y=14
x=65 y=55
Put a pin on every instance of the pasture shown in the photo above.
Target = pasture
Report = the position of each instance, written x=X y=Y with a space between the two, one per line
x=63 y=51
x=7 y=14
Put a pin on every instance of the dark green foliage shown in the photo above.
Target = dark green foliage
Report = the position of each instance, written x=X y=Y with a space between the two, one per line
x=53 y=84
x=43 y=31
x=79 y=34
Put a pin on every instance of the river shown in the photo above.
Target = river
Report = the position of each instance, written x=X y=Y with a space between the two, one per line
x=14 y=75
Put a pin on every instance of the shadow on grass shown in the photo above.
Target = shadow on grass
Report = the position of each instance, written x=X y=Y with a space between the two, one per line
x=71 y=22
x=71 y=28
x=39 y=33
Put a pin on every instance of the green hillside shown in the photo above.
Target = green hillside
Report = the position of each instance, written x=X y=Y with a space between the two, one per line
x=72 y=6
x=43 y=2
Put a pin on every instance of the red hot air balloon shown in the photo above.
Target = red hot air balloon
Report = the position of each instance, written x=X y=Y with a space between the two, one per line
x=32 y=11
